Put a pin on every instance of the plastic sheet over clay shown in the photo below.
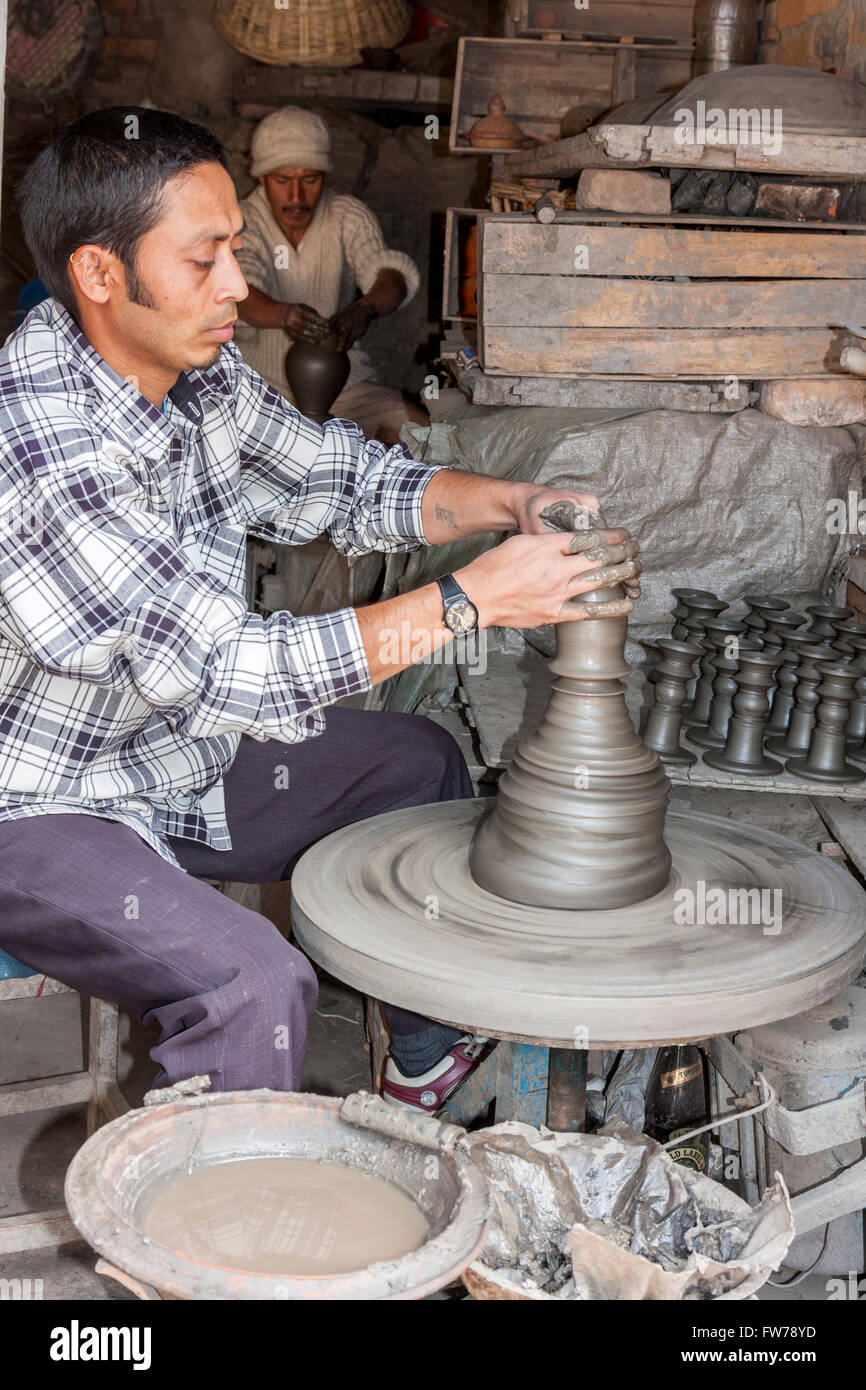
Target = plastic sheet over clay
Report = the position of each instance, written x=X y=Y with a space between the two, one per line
x=610 y=1216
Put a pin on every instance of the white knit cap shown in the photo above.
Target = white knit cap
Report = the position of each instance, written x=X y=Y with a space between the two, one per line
x=293 y=137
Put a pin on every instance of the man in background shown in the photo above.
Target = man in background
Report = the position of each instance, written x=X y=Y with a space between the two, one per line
x=307 y=251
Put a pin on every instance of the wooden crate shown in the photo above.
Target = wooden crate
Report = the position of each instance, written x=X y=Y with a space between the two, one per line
x=672 y=20
x=539 y=82
x=670 y=298
x=856 y=595
x=456 y=221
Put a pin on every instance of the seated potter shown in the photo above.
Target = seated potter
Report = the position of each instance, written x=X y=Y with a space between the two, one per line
x=307 y=250
x=155 y=733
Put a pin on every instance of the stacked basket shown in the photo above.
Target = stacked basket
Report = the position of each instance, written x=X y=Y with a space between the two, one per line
x=328 y=33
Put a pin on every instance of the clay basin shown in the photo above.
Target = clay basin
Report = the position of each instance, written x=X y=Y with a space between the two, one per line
x=117 y=1173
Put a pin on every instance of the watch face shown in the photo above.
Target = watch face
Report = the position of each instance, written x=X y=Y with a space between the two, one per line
x=461 y=615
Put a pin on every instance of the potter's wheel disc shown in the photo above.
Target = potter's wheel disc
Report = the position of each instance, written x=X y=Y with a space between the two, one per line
x=364 y=904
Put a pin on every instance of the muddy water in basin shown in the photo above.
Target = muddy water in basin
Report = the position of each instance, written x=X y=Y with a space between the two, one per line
x=285 y=1216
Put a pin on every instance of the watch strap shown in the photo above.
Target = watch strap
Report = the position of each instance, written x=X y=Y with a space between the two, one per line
x=450 y=589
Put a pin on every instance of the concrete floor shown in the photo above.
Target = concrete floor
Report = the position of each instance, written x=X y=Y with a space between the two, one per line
x=41 y=1037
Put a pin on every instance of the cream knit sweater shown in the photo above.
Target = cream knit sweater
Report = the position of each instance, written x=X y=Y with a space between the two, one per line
x=342 y=248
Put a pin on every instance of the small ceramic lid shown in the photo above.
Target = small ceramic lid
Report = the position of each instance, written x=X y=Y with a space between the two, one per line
x=495 y=128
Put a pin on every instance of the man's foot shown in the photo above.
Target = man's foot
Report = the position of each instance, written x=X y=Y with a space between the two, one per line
x=429 y=1091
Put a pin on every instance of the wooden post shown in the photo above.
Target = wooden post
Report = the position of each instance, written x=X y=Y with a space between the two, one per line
x=379 y=1040
x=566 y=1090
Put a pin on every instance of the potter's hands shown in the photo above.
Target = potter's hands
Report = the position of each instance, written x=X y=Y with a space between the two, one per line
x=566 y=510
x=609 y=567
x=304 y=324
x=531 y=580
x=572 y=515
x=352 y=323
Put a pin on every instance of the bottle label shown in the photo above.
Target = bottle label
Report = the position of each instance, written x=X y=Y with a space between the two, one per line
x=680 y=1076
x=689 y=1155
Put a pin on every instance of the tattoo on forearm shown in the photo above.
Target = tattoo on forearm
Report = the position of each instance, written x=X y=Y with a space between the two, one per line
x=443 y=514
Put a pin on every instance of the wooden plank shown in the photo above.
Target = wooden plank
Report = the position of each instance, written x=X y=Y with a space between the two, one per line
x=31 y=987
x=847 y=820
x=625 y=75
x=378 y=1041
x=36 y=1230
x=821 y=156
x=655 y=352
x=261 y=89
x=660 y=19
x=572 y=248
x=22 y=1097
x=625 y=146
x=455 y=220
x=591 y=302
x=696 y=220
x=702 y=775
x=588 y=393
x=566 y=1090
x=521 y=1083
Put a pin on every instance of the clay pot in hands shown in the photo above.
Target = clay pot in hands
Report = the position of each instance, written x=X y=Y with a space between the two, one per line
x=317 y=373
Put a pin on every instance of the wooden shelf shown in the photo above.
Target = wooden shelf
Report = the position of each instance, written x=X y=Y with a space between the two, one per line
x=652 y=20
x=622 y=146
x=539 y=82
x=261 y=90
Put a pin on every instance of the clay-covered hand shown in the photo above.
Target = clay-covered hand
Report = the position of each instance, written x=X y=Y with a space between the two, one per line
x=539 y=509
x=352 y=323
x=529 y=581
x=304 y=324
x=588 y=540
x=612 y=564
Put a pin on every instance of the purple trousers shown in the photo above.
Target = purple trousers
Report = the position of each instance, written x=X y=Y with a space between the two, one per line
x=87 y=902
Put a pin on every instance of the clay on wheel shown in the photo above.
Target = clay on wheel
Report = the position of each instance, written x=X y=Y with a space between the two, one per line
x=579 y=814
x=390 y=907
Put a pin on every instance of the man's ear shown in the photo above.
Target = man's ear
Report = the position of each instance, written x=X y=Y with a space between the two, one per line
x=92 y=271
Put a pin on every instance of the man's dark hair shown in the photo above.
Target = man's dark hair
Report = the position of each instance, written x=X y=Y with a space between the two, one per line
x=102 y=179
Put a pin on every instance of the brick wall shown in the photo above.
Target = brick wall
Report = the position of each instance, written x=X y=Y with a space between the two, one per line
x=169 y=53
x=825 y=34
x=128 y=49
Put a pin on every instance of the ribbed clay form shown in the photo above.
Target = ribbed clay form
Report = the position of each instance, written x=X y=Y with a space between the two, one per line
x=579 y=815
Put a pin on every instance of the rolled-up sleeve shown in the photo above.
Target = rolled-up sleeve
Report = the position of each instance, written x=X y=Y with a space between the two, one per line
x=95 y=586
x=365 y=251
x=300 y=480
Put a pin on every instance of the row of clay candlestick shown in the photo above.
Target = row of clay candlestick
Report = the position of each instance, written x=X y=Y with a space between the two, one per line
x=770 y=682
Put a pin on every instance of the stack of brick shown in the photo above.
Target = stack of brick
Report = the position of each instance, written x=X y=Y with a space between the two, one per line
x=825 y=34
x=129 y=47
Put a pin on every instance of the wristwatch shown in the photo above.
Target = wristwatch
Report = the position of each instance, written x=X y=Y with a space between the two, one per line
x=459 y=613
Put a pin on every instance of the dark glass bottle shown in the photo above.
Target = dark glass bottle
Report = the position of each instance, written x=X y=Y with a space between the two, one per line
x=676 y=1103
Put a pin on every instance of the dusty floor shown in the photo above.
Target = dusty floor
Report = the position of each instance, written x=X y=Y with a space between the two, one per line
x=41 y=1037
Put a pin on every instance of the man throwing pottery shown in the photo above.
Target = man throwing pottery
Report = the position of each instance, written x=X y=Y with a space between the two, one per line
x=155 y=733
x=307 y=252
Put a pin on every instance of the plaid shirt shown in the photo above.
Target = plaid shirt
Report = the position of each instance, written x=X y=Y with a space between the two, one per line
x=129 y=663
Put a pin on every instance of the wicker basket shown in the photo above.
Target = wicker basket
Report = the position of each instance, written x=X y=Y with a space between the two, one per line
x=328 y=33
